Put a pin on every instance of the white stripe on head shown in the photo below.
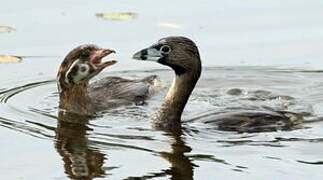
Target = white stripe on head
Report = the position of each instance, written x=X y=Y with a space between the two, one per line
x=70 y=69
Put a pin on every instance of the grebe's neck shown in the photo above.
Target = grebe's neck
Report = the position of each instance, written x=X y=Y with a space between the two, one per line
x=76 y=99
x=168 y=117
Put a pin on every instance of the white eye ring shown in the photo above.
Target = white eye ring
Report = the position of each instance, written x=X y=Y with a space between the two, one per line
x=165 y=49
x=83 y=69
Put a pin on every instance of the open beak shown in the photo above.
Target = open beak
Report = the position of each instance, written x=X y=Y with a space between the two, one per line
x=148 y=54
x=98 y=55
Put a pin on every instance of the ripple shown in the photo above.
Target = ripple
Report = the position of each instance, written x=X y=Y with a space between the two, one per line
x=311 y=163
x=27 y=128
x=125 y=132
x=7 y=94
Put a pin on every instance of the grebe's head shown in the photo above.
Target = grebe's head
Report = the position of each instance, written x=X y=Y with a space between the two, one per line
x=177 y=52
x=83 y=63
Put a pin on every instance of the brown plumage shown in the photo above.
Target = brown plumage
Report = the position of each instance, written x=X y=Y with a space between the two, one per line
x=79 y=96
x=182 y=55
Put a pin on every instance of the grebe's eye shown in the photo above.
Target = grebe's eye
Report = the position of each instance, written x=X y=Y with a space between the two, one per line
x=83 y=68
x=165 y=49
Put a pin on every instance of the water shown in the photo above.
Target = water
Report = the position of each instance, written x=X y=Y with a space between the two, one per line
x=120 y=143
x=254 y=54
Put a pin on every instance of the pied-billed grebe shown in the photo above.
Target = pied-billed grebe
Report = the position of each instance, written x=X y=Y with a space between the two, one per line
x=182 y=55
x=79 y=96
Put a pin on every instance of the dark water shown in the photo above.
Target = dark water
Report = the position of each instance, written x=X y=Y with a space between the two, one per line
x=255 y=53
x=121 y=144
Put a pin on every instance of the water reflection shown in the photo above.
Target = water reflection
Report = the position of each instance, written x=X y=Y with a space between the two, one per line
x=181 y=166
x=84 y=162
x=80 y=161
x=107 y=146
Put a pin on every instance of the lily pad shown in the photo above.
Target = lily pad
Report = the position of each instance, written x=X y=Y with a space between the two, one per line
x=121 y=16
x=10 y=59
x=6 y=29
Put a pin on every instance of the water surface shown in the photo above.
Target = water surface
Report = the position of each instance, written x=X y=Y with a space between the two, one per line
x=254 y=54
x=113 y=144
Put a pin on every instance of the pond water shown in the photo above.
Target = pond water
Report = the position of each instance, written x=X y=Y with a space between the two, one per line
x=268 y=51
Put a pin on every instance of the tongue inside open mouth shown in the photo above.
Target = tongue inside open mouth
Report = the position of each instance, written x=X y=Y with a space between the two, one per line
x=98 y=55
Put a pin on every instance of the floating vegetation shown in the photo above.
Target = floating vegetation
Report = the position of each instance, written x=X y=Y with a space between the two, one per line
x=10 y=59
x=170 y=25
x=122 y=16
x=6 y=29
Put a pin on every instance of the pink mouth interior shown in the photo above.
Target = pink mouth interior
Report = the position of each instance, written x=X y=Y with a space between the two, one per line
x=97 y=56
x=96 y=60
